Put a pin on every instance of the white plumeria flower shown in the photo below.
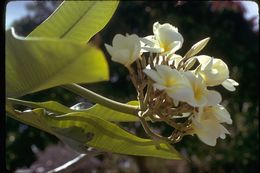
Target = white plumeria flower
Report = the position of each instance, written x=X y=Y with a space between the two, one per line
x=170 y=80
x=207 y=125
x=166 y=39
x=201 y=95
x=215 y=72
x=124 y=49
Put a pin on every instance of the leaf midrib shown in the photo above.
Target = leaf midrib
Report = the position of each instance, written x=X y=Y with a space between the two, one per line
x=78 y=20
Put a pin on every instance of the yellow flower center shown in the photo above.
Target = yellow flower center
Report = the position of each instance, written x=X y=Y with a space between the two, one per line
x=198 y=93
x=169 y=82
x=166 y=48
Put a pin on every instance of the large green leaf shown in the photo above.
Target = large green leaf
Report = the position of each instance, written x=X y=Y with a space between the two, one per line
x=81 y=130
x=96 y=110
x=77 y=20
x=36 y=64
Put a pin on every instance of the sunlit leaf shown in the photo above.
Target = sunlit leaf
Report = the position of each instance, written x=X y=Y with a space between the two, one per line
x=81 y=130
x=111 y=115
x=76 y=20
x=36 y=64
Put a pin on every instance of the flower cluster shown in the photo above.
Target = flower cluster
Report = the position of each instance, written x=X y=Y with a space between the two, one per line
x=174 y=89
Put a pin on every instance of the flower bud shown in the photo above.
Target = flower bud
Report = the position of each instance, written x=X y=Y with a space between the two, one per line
x=196 y=48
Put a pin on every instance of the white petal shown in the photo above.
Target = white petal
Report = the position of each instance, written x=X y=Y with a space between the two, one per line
x=156 y=25
x=110 y=49
x=213 y=98
x=233 y=82
x=167 y=35
x=153 y=75
x=167 y=72
x=198 y=102
x=136 y=53
x=134 y=39
x=152 y=49
x=222 y=114
x=190 y=76
x=180 y=93
x=223 y=131
x=207 y=139
x=206 y=61
x=176 y=45
x=205 y=132
x=209 y=131
x=149 y=40
x=229 y=84
x=121 y=56
x=119 y=41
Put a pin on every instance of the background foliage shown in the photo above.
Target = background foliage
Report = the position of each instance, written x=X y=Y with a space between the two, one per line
x=232 y=39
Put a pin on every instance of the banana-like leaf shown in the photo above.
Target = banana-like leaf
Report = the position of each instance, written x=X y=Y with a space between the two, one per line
x=96 y=110
x=76 y=20
x=81 y=130
x=36 y=64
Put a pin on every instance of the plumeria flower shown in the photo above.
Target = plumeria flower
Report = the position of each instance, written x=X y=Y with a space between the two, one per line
x=215 y=72
x=201 y=95
x=170 y=80
x=206 y=124
x=166 y=39
x=124 y=49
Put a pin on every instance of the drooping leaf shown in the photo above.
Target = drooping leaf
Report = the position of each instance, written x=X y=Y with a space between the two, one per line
x=83 y=131
x=89 y=131
x=96 y=110
x=36 y=64
x=76 y=20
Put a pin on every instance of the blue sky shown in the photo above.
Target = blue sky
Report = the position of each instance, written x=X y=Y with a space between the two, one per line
x=16 y=10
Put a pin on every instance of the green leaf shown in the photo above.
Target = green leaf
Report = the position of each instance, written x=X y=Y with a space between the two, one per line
x=110 y=114
x=89 y=131
x=36 y=64
x=76 y=20
x=81 y=130
x=96 y=110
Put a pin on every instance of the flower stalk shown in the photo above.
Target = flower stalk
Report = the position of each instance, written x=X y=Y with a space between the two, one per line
x=96 y=98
